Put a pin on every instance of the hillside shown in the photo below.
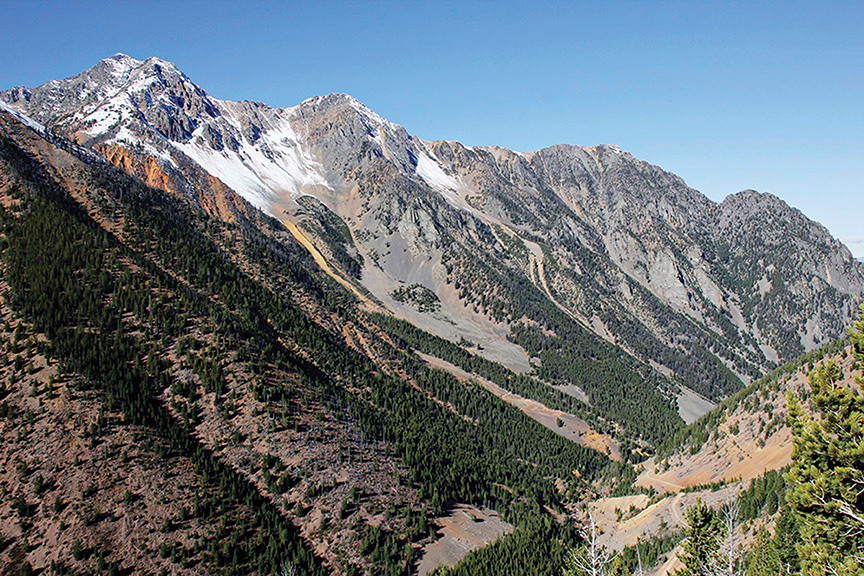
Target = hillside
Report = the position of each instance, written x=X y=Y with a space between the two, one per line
x=569 y=252
x=84 y=490
x=226 y=342
x=746 y=434
x=742 y=449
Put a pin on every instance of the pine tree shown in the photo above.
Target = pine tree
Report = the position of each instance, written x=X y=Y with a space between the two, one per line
x=703 y=537
x=618 y=568
x=775 y=555
x=827 y=472
x=786 y=539
x=764 y=558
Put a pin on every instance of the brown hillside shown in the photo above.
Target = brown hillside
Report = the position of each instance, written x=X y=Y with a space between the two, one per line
x=749 y=437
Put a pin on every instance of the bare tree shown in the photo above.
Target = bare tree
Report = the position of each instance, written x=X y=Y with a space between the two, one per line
x=729 y=558
x=590 y=559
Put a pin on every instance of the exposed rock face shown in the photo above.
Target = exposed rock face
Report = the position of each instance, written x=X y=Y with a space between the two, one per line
x=249 y=146
x=709 y=293
x=707 y=261
x=145 y=168
x=791 y=275
x=117 y=90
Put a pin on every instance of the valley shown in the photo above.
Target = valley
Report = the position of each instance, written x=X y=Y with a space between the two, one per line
x=242 y=339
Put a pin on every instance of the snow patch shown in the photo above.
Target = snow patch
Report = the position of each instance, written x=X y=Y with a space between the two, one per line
x=26 y=120
x=256 y=176
x=124 y=136
x=434 y=175
x=364 y=111
x=121 y=64
x=104 y=118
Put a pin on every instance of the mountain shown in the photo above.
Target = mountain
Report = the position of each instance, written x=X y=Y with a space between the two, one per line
x=341 y=331
x=710 y=295
x=164 y=366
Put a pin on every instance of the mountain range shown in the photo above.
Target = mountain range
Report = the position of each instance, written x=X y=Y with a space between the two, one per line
x=422 y=298
x=710 y=295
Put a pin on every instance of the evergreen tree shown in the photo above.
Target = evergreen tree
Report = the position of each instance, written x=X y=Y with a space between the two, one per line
x=703 y=536
x=764 y=559
x=778 y=554
x=618 y=568
x=827 y=472
x=786 y=539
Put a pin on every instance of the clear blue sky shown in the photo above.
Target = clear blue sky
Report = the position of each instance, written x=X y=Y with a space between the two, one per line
x=759 y=95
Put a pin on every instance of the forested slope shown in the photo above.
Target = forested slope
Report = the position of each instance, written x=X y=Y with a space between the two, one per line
x=746 y=434
x=223 y=356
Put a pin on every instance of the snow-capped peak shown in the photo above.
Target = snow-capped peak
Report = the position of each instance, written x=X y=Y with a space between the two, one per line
x=369 y=117
x=123 y=59
x=117 y=66
x=260 y=152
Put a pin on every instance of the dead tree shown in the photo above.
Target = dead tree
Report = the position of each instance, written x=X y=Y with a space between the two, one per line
x=590 y=559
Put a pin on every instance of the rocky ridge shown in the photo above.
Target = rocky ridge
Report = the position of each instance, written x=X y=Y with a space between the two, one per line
x=710 y=295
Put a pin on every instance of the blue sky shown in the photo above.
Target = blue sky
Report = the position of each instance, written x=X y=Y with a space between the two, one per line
x=763 y=95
